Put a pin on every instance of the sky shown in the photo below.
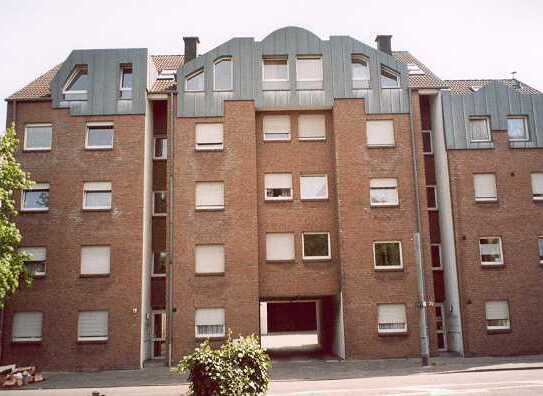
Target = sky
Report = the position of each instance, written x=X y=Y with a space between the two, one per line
x=456 y=39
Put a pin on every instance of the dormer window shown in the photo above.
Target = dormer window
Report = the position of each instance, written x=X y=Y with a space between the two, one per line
x=77 y=84
x=517 y=129
x=275 y=69
x=195 y=81
x=389 y=78
x=167 y=74
x=360 y=71
x=309 y=68
x=475 y=88
x=222 y=74
x=126 y=81
x=413 y=69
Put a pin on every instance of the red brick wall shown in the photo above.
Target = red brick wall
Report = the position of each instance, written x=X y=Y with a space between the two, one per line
x=65 y=227
x=518 y=220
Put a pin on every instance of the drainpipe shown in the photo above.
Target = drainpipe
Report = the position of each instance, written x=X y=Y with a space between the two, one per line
x=423 y=320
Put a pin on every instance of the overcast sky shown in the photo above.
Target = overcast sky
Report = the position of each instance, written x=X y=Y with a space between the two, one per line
x=456 y=39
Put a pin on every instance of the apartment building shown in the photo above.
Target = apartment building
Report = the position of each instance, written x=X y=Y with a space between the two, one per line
x=278 y=186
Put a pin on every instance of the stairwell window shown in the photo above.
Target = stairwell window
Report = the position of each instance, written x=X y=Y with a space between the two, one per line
x=209 y=259
x=431 y=197
x=392 y=319
x=38 y=137
x=537 y=186
x=77 y=84
x=360 y=71
x=384 y=192
x=276 y=127
x=36 y=264
x=160 y=148
x=97 y=196
x=479 y=130
x=387 y=255
x=540 y=246
x=490 y=250
x=380 y=133
x=223 y=74
x=517 y=129
x=497 y=315
x=316 y=246
x=280 y=246
x=160 y=203
x=126 y=81
x=427 y=144
x=209 y=322
x=437 y=261
x=36 y=198
x=92 y=326
x=209 y=195
x=389 y=78
x=484 y=185
x=27 y=327
x=195 y=82
x=95 y=260
x=209 y=137
x=311 y=127
x=278 y=187
x=99 y=136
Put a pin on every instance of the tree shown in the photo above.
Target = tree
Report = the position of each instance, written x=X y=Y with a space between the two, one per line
x=12 y=178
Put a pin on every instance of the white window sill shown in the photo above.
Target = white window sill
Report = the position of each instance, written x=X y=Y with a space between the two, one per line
x=311 y=139
x=96 y=208
x=204 y=148
x=491 y=264
x=26 y=340
x=277 y=140
x=34 y=210
x=388 y=268
x=160 y=214
x=317 y=258
x=98 y=148
x=159 y=158
x=381 y=145
x=36 y=149
x=92 y=339
x=209 y=208
x=314 y=198
x=277 y=199
x=483 y=200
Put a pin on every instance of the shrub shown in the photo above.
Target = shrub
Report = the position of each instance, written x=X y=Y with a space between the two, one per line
x=238 y=367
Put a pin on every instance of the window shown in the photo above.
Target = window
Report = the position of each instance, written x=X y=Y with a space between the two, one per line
x=540 y=245
x=92 y=326
x=392 y=318
x=384 y=192
x=99 y=136
x=76 y=86
x=389 y=78
x=360 y=71
x=38 y=137
x=160 y=203
x=159 y=263
x=126 y=81
x=36 y=198
x=380 y=133
x=485 y=187
x=95 y=260
x=27 y=327
x=387 y=255
x=312 y=127
x=209 y=322
x=490 y=249
x=475 y=88
x=223 y=74
x=275 y=69
x=209 y=259
x=414 y=69
x=161 y=148
x=36 y=264
x=479 y=130
x=517 y=129
x=431 y=197
x=209 y=137
x=497 y=315
x=427 y=145
x=278 y=186
x=167 y=74
x=97 y=196
x=279 y=247
x=314 y=187
x=209 y=195
x=309 y=68
x=195 y=81
x=537 y=186
x=437 y=264
x=316 y=245
x=276 y=127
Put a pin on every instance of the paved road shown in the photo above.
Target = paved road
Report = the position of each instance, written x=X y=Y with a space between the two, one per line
x=499 y=382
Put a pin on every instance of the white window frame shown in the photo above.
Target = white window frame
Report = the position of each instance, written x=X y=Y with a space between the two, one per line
x=37 y=125
x=275 y=58
x=122 y=68
x=89 y=125
x=164 y=155
x=86 y=191
x=215 y=63
x=292 y=238
x=93 y=338
x=526 y=131
x=215 y=335
x=306 y=57
x=434 y=187
x=37 y=186
x=160 y=214
x=16 y=339
x=209 y=207
x=392 y=331
x=487 y=125
x=485 y=199
x=36 y=274
x=491 y=328
x=385 y=69
x=440 y=268
x=491 y=263
x=264 y=133
x=429 y=133
x=363 y=58
x=311 y=138
x=209 y=146
x=306 y=198
x=289 y=198
x=385 y=204
x=380 y=267
x=73 y=75
x=536 y=195
x=314 y=258
x=192 y=75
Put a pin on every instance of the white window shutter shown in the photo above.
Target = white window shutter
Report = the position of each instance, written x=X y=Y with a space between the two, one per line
x=383 y=183
x=27 y=326
x=311 y=126
x=276 y=124
x=35 y=253
x=278 y=180
x=209 y=133
x=497 y=310
x=95 y=260
x=485 y=186
x=280 y=246
x=93 y=324
x=209 y=258
x=313 y=187
x=210 y=195
x=537 y=185
x=380 y=133
x=392 y=313
x=98 y=186
x=209 y=316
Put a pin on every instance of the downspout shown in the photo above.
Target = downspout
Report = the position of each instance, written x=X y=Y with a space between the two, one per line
x=423 y=321
x=170 y=229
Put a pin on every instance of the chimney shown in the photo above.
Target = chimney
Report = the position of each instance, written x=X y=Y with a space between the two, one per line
x=191 y=48
x=383 y=43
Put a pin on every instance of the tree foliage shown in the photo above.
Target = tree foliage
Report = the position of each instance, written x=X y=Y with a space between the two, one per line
x=239 y=367
x=12 y=178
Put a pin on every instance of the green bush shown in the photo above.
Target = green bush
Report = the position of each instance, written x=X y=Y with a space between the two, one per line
x=238 y=367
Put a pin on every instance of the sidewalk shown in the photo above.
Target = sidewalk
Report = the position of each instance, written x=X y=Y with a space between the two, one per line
x=295 y=370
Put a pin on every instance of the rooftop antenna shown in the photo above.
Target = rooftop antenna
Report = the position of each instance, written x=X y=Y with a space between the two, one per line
x=516 y=83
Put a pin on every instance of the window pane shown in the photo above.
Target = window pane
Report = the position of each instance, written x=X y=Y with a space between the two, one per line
x=38 y=137
x=36 y=199
x=126 y=81
x=360 y=69
x=275 y=70
x=80 y=80
x=309 y=69
x=223 y=75
x=160 y=205
x=159 y=262
x=100 y=136
x=516 y=129
x=195 y=82
x=161 y=148
x=316 y=245
x=387 y=254
x=314 y=187
x=479 y=130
